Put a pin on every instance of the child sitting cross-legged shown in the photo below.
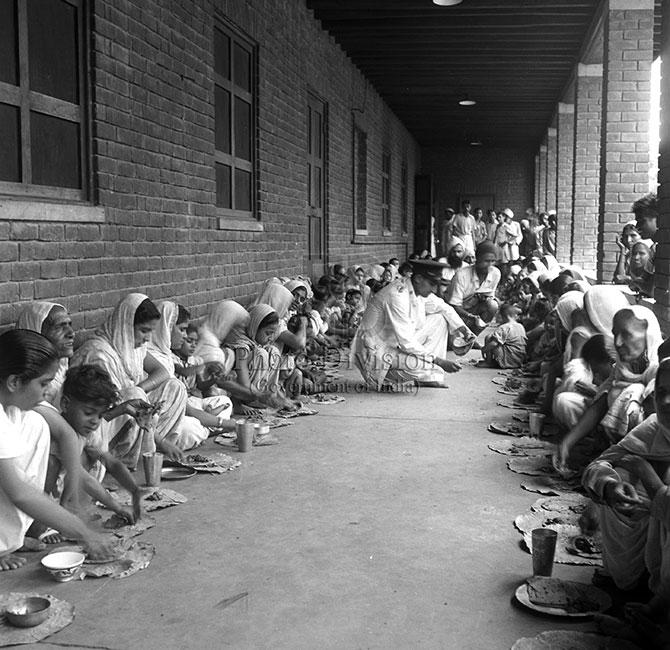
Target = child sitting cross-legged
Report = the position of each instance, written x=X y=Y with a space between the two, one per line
x=88 y=402
x=505 y=347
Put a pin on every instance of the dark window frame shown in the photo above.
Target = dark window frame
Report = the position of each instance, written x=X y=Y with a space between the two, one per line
x=387 y=220
x=237 y=37
x=360 y=179
x=404 y=197
x=27 y=100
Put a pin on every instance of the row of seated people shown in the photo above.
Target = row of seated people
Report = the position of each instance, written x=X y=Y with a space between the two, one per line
x=149 y=379
x=606 y=383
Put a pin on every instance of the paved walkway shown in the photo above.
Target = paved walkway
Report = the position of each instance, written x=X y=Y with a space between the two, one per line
x=382 y=522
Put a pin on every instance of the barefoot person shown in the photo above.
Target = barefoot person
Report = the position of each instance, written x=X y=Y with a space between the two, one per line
x=28 y=364
x=398 y=340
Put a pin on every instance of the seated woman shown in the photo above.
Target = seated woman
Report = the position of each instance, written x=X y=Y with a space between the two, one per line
x=582 y=375
x=641 y=269
x=473 y=289
x=28 y=365
x=194 y=427
x=634 y=513
x=301 y=293
x=53 y=321
x=629 y=236
x=120 y=348
x=257 y=359
x=618 y=405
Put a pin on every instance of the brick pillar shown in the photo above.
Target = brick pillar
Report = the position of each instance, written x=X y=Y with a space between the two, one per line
x=565 y=137
x=624 y=155
x=542 y=196
x=536 y=187
x=586 y=165
x=551 y=169
x=662 y=261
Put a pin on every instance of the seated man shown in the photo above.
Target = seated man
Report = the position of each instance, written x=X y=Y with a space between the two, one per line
x=473 y=289
x=403 y=336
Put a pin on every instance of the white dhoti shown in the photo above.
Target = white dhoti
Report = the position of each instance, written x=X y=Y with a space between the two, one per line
x=31 y=467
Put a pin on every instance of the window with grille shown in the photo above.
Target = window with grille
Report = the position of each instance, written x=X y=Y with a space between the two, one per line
x=386 y=191
x=43 y=118
x=235 y=123
x=360 y=171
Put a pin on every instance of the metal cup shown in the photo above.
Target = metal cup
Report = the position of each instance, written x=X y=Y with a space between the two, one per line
x=544 y=547
x=245 y=435
x=536 y=423
x=153 y=464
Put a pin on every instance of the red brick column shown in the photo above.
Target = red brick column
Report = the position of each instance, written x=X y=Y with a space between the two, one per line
x=662 y=262
x=542 y=197
x=586 y=165
x=624 y=169
x=551 y=168
x=565 y=137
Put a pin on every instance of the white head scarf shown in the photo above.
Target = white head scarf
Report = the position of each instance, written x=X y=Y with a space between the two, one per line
x=566 y=304
x=601 y=302
x=256 y=315
x=162 y=336
x=119 y=331
x=277 y=296
x=224 y=317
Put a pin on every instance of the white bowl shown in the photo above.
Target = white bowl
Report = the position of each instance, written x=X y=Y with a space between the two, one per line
x=63 y=566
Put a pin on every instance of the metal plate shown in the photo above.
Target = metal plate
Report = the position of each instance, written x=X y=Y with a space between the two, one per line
x=522 y=597
x=176 y=473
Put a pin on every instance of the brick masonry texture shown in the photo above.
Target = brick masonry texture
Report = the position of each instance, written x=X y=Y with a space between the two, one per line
x=586 y=165
x=506 y=174
x=552 y=145
x=564 y=185
x=625 y=126
x=153 y=161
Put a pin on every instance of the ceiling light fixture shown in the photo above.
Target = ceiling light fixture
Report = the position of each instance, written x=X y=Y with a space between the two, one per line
x=447 y=3
x=476 y=142
x=466 y=101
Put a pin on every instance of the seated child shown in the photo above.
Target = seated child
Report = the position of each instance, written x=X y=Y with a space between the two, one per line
x=505 y=347
x=28 y=364
x=200 y=380
x=87 y=404
x=350 y=318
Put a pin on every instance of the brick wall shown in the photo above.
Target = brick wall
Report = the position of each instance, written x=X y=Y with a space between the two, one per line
x=153 y=158
x=586 y=163
x=625 y=128
x=565 y=134
x=507 y=174
x=662 y=260
x=542 y=200
x=551 y=167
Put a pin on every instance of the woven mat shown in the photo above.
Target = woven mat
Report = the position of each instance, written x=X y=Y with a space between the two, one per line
x=62 y=614
x=216 y=463
x=122 y=529
x=550 y=485
x=303 y=410
x=155 y=499
x=523 y=446
x=131 y=558
x=532 y=465
x=572 y=639
x=325 y=398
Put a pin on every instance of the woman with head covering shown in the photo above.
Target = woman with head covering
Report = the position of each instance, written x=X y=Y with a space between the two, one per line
x=223 y=318
x=601 y=302
x=634 y=502
x=473 y=289
x=641 y=269
x=618 y=405
x=195 y=426
x=257 y=360
x=629 y=236
x=120 y=348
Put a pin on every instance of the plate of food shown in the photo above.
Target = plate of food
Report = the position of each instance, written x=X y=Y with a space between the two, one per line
x=177 y=473
x=566 y=598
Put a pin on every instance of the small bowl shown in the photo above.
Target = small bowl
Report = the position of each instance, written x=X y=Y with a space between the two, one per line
x=63 y=566
x=29 y=612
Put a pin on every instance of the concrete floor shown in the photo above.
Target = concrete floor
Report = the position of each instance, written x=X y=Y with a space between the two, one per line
x=382 y=522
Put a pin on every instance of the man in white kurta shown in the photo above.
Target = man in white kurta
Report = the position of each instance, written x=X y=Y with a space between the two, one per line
x=404 y=332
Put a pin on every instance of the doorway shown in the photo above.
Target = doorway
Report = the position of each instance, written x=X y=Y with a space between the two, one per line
x=317 y=215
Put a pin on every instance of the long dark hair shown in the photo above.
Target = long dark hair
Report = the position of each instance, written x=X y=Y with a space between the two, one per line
x=26 y=354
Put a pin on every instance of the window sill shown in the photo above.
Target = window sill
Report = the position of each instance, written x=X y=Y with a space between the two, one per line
x=20 y=210
x=386 y=238
x=387 y=233
x=226 y=223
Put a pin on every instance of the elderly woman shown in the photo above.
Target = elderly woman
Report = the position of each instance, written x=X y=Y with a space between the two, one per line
x=634 y=499
x=473 y=289
x=641 y=269
x=618 y=405
x=120 y=348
